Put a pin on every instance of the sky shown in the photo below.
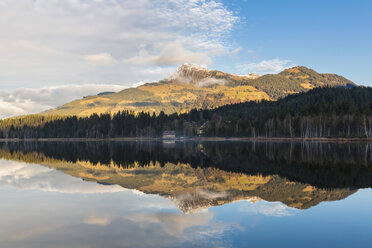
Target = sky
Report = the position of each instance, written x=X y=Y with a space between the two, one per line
x=54 y=51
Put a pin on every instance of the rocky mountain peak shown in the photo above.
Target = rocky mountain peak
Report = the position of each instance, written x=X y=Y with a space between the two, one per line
x=200 y=199
x=191 y=73
x=252 y=76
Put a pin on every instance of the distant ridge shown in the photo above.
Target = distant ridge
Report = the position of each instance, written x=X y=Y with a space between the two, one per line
x=193 y=86
x=105 y=93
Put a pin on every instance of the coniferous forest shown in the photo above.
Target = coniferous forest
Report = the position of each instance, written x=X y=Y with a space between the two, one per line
x=318 y=113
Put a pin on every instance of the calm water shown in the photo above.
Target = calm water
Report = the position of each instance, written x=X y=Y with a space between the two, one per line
x=185 y=195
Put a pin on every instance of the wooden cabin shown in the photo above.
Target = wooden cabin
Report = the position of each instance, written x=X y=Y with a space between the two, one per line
x=169 y=135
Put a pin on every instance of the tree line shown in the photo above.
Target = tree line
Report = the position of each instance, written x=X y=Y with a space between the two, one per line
x=318 y=113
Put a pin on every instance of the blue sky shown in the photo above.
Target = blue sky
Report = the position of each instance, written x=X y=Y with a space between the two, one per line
x=328 y=36
x=54 y=51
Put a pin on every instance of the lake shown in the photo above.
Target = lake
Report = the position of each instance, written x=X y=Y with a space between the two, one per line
x=186 y=194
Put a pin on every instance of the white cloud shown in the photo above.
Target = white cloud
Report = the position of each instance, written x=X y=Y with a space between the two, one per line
x=19 y=107
x=43 y=42
x=173 y=223
x=99 y=59
x=211 y=81
x=173 y=54
x=265 y=66
x=97 y=219
x=35 y=177
x=159 y=71
x=236 y=51
x=27 y=100
x=275 y=209
x=32 y=47
x=138 y=84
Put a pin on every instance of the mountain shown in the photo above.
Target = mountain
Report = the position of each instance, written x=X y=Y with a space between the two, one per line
x=193 y=86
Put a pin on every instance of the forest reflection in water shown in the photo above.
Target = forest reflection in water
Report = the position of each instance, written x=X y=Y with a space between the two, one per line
x=198 y=175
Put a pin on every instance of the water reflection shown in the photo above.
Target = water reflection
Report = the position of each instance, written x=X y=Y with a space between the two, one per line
x=156 y=195
x=199 y=175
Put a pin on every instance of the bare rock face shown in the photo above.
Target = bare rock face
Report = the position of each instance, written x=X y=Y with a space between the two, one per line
x=252 y=76
x=201 y=76
x=200 y=199
x=189 y=73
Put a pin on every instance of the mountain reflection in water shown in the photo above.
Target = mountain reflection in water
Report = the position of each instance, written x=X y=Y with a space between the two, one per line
x=195 y=176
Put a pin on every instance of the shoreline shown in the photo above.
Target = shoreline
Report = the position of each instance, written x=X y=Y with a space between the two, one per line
x=206 y=139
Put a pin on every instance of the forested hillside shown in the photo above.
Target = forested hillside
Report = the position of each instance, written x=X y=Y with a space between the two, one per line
x=318 y=113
